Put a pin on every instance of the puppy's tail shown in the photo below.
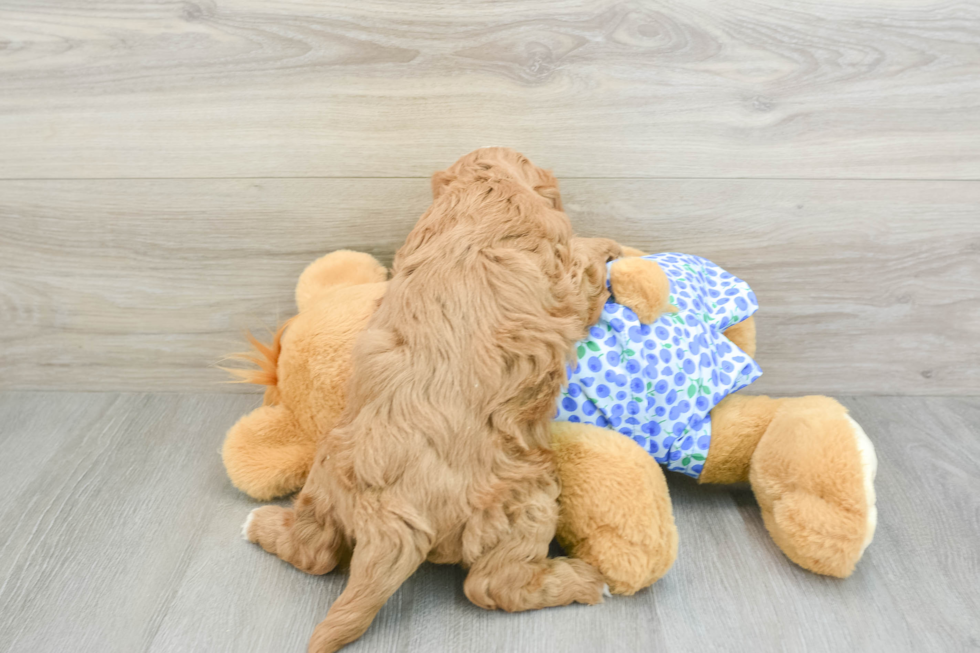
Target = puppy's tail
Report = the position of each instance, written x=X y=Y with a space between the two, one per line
x=263 y=356
x=385 y=555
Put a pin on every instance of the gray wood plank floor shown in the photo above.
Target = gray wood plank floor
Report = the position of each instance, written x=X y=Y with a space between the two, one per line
x=119 y=532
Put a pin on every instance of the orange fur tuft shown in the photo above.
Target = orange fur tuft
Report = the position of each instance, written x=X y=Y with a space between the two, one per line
x=265 y=357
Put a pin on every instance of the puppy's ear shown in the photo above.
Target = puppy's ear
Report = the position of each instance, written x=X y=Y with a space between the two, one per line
x=589 y=258
x=440 y=180
x=547 y=187
x=594 y=253
x=551 y=194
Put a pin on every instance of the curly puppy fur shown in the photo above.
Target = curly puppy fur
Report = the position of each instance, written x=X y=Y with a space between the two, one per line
x=442 y=452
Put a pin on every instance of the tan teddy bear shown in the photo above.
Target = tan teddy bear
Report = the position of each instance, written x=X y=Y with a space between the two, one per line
x=810 y=465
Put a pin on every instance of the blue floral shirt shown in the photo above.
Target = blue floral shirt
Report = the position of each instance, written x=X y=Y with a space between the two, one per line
x=658 y=383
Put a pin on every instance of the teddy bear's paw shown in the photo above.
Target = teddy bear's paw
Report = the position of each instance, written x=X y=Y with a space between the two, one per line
x=825 y=533
x=813 y=475
x=816 y=534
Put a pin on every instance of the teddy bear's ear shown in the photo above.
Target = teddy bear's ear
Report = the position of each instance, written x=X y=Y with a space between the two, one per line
x=440 y=180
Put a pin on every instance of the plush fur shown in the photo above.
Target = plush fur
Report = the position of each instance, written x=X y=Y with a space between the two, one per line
x=442 y=451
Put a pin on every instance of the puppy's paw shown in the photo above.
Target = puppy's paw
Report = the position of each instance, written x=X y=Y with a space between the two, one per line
x=641 y=285
x=247 y=525
x=592 y=586
x=264 y=526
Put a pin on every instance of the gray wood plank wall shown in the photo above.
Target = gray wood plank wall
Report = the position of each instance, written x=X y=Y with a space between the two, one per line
x=168 y=168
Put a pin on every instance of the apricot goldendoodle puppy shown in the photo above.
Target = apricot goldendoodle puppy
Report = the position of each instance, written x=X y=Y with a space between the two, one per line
x=443 y=450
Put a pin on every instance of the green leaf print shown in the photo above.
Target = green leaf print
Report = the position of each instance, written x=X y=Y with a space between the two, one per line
x=686 y=460
x=697 y=456
x=691 y=390
x=701 y=387
x=629 y=352
x=649 y=385
x=581 y=351
x=591 y=345
x=667 y=346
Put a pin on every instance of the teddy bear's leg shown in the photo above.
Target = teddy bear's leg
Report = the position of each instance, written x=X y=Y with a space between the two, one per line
x=267 y=454
x=812 y=469
x=738 y=422
x=340 y=268
x=615 y=510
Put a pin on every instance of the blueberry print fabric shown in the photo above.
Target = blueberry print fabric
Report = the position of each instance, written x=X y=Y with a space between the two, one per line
x=658 y=383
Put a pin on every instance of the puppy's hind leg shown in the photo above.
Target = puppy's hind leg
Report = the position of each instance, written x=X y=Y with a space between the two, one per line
x=386 y=554
x=305 y=538
x=516 y=574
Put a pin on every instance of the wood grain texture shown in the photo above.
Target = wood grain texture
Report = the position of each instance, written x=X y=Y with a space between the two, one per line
x=120 y=533
x=866 y=287
x=299 y=88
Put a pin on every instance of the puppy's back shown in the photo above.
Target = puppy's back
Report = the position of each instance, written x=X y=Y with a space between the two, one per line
x=464 y=357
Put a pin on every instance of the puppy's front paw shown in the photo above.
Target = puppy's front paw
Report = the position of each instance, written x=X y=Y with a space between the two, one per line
x=641 y=285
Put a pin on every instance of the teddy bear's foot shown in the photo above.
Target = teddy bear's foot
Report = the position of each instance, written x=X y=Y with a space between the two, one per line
x=615 y=511
x=813 y=476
